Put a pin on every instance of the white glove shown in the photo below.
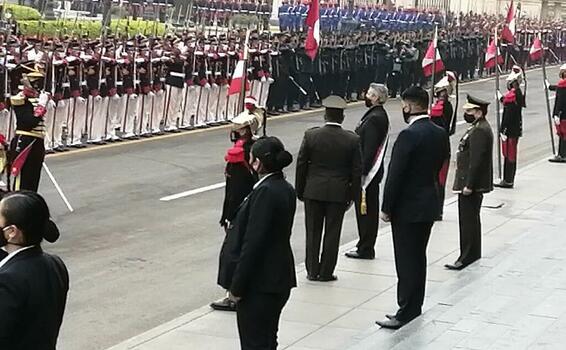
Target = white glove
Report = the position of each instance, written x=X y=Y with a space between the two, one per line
x=43 y=99
x=503 y=137
x=151 y=94
x=81 y=99
x=263 y=79
x=51 y=104
x=270 y=80
x=133 y=96
x=498 y=95
x=556 y=120
x=98 y=98
x=546 y=83
x=207 y=86
x=116 y=97
x=62 y=103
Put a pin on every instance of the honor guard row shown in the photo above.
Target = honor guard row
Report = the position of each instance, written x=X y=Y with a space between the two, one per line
x=105 y=90
x=332 y=17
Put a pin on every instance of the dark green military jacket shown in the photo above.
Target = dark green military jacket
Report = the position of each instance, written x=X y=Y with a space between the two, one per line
x=474 y=162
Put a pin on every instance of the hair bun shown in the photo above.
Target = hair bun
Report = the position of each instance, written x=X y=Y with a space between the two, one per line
x=283 y=159
x=51 y=233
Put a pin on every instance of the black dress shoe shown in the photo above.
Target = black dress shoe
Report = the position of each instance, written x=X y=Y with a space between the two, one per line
x=390 y=316
x=456 y=266
x=503 y=184
x=224 y=305
x=391 y=323
x=355 y=255
x=557 y=159
x=327 y=278
x=312 y=278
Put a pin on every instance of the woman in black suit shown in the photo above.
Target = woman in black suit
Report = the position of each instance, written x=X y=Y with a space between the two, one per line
x=256 y=261
x=33 y=284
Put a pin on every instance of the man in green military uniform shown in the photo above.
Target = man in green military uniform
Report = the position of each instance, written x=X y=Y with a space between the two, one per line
x=474 y=177
x=327 y=179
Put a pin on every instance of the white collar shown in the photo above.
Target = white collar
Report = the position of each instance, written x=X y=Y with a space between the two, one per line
x=333 y=124
x=263 y=179
x=14 y=253
x=418 y=117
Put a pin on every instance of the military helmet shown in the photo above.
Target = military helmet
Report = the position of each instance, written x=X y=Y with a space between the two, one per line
x=448 y=83
x=515 y=75
x=247 y=118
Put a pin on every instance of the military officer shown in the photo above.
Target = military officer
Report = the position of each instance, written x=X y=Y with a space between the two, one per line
x=559 y=116
x=511 y=126
x=442 y=114
x=327 y=179
x=240 y=177
x=27 y=148
x=474 y=177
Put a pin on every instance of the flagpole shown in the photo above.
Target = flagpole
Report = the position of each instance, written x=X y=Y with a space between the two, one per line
x=245 y=75
x=434 y=43
x=497 y=105
x=547 y=100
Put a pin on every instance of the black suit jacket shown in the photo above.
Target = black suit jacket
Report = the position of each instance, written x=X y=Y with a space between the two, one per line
x=33 y=294
x=256 y=255
x=411 y=191
x=372 y=129
x=328 y=165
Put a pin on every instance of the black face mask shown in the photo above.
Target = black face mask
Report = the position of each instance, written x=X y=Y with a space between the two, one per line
x=234 y=136
x=369 y=104
x=469 y=118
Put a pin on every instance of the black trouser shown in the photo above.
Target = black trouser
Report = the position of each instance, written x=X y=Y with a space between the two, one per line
x=470 y=227
x=319 y=215
x=409 y=243
x=368 y=224
x=31 y=171
x=258 y=320
x=562 y=147
x=277 y=93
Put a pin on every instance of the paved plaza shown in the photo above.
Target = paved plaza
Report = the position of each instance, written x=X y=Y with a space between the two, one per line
x=514 y=298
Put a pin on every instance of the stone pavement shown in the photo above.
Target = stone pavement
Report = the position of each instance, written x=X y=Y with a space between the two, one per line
x=513 y=298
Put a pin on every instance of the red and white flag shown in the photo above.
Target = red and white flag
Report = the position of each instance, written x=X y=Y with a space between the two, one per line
x=535 y=53
x=492 y=51
x=432 y=56
x=313 y=35
x=508 y=32
x=238 y=79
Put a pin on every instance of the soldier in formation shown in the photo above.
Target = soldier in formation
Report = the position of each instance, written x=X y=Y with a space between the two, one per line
x=110 y=88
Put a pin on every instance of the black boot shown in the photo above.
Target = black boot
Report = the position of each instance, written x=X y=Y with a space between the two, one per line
x=505 y=183
x=561 y=156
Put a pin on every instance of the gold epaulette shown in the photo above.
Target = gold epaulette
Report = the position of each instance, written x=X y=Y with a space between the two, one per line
x=18 y=100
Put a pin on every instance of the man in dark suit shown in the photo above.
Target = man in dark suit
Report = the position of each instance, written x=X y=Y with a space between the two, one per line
x=411 y=201
x=373 y=130
x=474 y=177
x=328 y=175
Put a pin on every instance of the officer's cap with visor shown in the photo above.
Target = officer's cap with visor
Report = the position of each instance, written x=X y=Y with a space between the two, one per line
x=475 y=103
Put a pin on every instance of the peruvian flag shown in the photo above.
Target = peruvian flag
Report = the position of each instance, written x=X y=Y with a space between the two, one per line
x=238 y=79
x=490 y=54
x=535 y=53
x=313 y=35
x=508 y=32
x=432 y=55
